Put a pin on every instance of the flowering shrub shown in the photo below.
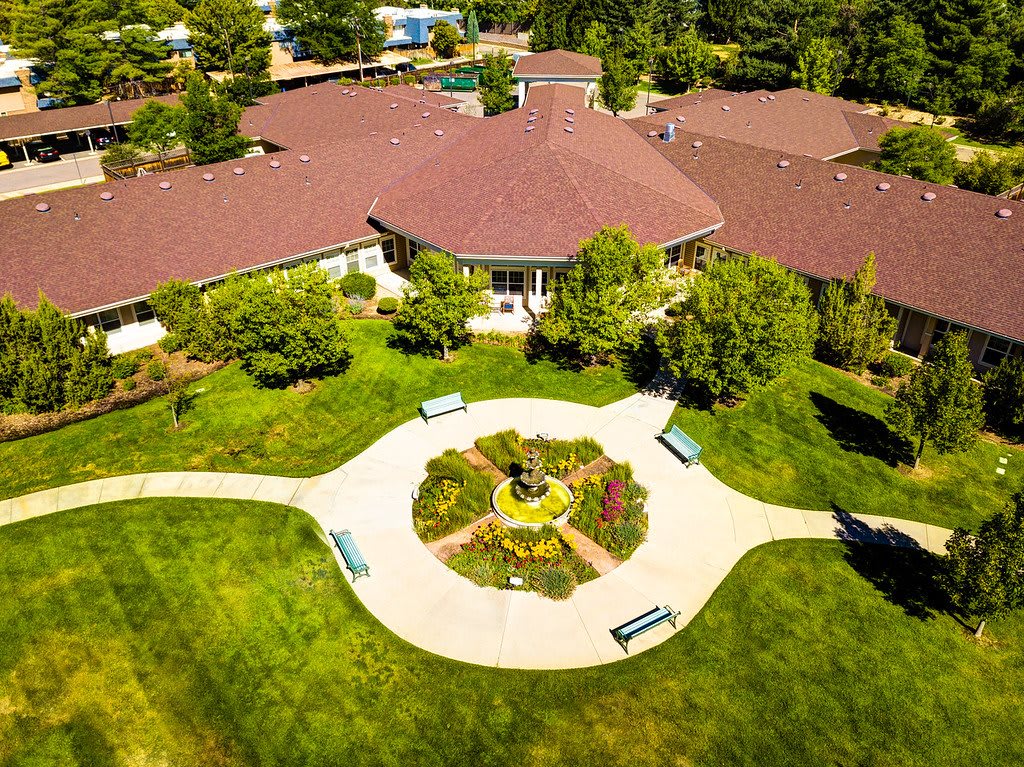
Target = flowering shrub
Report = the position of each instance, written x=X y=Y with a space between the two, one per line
x=437 y=496
x=609 y=509
x=452 y=496
x=496 y=552
x=612 y=503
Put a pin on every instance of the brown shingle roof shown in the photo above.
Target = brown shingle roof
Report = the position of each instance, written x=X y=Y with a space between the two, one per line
x=123 y=248
x=67 y=119
x=420 y=96
x=558 y=63
x=688 y=99
x=328 y=114
x=512 y=187
x=793 y=120
x=952 y=257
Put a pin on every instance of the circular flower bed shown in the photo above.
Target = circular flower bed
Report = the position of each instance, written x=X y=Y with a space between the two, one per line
x=608 y=510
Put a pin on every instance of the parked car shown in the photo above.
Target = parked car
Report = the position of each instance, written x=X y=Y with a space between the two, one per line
x=102 y=142
x=46 y=154
x=5 y=161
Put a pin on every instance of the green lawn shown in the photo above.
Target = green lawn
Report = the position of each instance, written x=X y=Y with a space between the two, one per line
x=237 y=427
x=726 y=51
x=965 y=140
x=199 y=633
x=815 y=440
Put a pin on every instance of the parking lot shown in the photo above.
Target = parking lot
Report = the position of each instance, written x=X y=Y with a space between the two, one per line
x=25 y=178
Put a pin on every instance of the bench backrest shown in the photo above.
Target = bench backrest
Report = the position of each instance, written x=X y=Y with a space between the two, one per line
x=443 y=403
x=349 y=550
x=641 y=624
x=678 y=435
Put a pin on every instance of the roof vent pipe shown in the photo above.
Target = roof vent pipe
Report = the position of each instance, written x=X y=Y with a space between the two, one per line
x=1004 y=213
x=670 y=133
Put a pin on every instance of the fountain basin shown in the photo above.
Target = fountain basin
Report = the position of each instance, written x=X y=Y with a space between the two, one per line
x=552 y=509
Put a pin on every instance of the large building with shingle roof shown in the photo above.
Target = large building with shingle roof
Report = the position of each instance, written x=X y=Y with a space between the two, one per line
x=362 y=180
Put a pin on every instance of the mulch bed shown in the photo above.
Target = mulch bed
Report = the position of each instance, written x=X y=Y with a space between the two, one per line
x=447 y=547
x=21 y=425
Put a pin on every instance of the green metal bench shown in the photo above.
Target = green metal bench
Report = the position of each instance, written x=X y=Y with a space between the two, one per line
x=677 y=440
x=353 y=556
x=644 y=623
x=446 y=404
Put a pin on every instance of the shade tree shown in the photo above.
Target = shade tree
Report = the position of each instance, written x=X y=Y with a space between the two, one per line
x=920 y=152
x=983 y=573
x=741 y=325
x=438 y=303
x=600 y=308
x=940 y=404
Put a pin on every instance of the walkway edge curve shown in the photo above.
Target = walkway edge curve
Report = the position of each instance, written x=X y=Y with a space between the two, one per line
x=699 y=529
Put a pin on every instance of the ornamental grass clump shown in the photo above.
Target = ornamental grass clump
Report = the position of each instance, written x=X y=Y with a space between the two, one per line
x=561 y=457
x=452 y=496
x=554 y=582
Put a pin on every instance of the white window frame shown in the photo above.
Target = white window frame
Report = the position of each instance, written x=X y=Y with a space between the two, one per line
x=146 y=309
x=114 y=323
x=673 y=256
x=1002 y=354
x=388 y=244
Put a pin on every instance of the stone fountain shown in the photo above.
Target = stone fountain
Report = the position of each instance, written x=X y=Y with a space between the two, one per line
x=532 y=499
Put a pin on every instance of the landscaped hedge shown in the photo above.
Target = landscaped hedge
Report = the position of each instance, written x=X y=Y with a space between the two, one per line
x=561 y=457
x=895 y=365
x=358 y=285
x=387 y=305
x=609 y=509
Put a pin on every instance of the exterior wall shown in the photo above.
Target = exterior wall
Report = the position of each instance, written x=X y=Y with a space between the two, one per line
x=524 y=83
x=858 y=158
x=365 y=255
x=11 y=102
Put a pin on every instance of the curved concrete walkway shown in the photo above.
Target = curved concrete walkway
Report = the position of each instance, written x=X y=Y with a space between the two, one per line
x=699 y=529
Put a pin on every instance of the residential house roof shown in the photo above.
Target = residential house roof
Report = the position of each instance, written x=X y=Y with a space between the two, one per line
x=939 y=249
x=792 y=120
x=557 y=63
x=535 y=181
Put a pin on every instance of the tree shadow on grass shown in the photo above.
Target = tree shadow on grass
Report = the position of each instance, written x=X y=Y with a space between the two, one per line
x=858 y=432
x=895 y=564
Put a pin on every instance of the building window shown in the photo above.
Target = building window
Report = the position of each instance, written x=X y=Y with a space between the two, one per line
x=352 y=261
x=334 y=272
x=144 y=313
x=109 y=320
x=996 y=350
x=507 y=283
x=700 y=260
x=388 y=248
x=414 y=250
x=673 y=255
x=942 y=327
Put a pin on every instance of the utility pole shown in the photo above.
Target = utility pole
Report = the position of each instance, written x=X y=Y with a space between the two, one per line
x=359 y=47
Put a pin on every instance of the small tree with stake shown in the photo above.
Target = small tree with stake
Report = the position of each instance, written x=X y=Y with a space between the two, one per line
x=179 y=399
x=473 y=31
x=984 y=573
x=940 y=403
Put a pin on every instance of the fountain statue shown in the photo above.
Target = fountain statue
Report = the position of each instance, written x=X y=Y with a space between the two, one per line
x=532 y=485
x=533 y=498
